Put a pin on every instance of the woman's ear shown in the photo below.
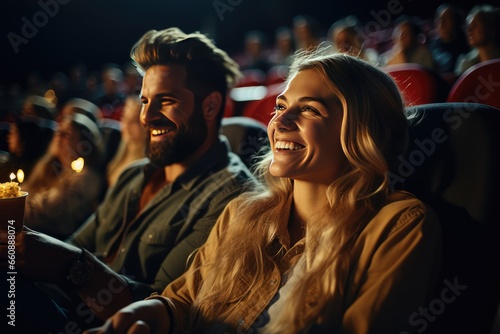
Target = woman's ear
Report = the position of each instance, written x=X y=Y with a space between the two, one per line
x=212 y=105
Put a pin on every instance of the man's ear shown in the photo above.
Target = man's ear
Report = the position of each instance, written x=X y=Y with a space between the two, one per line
x=212 y=105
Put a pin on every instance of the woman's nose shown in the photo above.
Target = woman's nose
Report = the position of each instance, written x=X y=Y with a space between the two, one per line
x=285 y=121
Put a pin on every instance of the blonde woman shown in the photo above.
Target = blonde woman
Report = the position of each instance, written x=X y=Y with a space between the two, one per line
x=326 y=245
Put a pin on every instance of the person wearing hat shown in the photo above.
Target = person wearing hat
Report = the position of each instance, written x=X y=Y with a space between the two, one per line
x=60 y=196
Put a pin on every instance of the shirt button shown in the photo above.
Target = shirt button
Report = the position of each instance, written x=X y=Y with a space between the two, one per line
x=123 y=250
x=150 y=236
x=273 y=281
x=241 y=322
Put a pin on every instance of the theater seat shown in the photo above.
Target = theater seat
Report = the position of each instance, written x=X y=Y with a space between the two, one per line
x=479 y=84
x=418 y=84
x=111 y=135
x=246 y=137
x=452 y=163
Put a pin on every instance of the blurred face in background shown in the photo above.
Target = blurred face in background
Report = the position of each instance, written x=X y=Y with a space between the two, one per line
x=65 y=144
x=131 y=128
x=346 y=42
x=477 y=32
x=14 y=140
x=405 y=37
x=445 y=23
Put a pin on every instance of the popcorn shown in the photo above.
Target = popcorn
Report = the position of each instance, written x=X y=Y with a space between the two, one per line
x=9 y=190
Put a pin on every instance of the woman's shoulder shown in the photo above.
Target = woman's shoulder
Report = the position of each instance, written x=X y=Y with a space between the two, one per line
x=403 y=209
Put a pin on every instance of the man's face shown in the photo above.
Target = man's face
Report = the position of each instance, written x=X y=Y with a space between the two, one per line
x=175 y=123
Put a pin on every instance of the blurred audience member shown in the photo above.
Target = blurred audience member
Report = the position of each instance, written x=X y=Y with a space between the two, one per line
x=39 y=106
x=133 y=140
x=132 y=81
x=254 y=56
x=112 y=99
x=66 y=185
x=343 y=34
x=449 y=40
x=483 y=35
x=307 y=32
x=78 y=105
x=27 y=141
x=407 y=47
x=284 y=47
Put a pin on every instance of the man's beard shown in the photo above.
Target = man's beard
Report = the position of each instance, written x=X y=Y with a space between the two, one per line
x=185 y=142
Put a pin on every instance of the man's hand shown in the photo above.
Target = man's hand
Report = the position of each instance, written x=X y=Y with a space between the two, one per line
x=146 y=316
x=38 y=256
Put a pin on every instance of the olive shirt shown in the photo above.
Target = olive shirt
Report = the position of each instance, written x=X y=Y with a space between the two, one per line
x=151 y=248
x=393 y=268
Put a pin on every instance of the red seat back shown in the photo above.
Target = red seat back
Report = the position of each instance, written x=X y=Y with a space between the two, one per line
x=418 y=84
x=479 y=84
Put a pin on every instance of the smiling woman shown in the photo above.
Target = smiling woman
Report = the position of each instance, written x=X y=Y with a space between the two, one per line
x=325 y=245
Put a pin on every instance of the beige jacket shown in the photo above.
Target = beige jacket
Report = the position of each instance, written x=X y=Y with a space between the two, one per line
x=394 y=266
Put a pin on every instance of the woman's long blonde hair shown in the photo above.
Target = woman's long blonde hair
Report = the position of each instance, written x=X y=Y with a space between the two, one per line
x=373 y=135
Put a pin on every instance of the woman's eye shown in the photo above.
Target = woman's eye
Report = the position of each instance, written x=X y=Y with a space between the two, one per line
x=309 y=109
x=278 y=107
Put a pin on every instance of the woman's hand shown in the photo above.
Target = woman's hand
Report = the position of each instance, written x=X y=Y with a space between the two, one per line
x=143 y=317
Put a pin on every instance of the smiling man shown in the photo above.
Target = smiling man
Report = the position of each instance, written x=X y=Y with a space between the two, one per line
x=162 y=208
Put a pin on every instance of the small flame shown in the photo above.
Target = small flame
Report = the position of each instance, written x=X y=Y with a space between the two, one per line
x=20 y=175
x=77 y=165
x=12 y=177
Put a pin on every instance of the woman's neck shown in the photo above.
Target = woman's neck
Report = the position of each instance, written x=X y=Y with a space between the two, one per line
x=308 y=199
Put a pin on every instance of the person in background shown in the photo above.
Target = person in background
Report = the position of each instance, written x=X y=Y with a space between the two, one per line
x=132 y=146
x=255 y=52
x=284 y=47
x=448 y=41
x=159 y=212
x=27 y=141
x=343 y=34
x=407 y=48
x=307 y=32
x=483 y=36
x=39 y=106
x=325 y=246
x=111 y=101
x=66 y=184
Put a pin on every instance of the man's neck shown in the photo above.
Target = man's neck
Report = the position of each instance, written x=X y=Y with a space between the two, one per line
x=154 y=184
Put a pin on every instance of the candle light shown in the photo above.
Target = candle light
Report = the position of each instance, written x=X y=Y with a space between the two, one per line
x=77 y=165
x=12 y=177
x=20 y=175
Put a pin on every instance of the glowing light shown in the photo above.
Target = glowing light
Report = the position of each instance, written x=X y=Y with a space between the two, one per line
x=77 y=165
x=50 y=96
x=20 y=175
x=12 y=177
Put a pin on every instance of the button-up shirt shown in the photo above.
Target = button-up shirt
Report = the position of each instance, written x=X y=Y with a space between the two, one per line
x=393 y=268
x=151 y=247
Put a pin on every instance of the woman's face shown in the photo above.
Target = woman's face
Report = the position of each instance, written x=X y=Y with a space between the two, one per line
x=305 y=131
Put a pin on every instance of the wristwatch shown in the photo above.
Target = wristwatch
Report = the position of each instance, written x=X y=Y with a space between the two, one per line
x=80 y=271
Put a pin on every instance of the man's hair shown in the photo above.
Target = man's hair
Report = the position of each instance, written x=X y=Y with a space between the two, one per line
x=208 y=68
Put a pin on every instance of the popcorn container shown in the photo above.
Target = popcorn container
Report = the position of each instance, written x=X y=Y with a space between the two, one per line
x=12 y=212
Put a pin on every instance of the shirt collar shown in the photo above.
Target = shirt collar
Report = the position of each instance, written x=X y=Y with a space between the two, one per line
x=213 y=160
